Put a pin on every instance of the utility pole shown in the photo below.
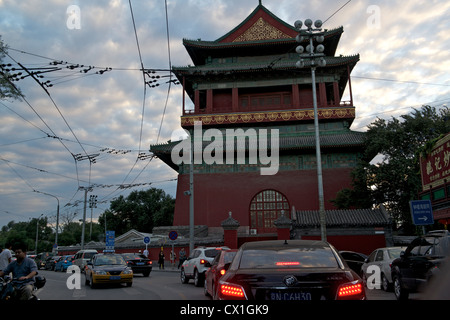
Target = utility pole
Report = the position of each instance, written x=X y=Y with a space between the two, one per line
x=37 y=234
x=92 y=205
x=86 y=190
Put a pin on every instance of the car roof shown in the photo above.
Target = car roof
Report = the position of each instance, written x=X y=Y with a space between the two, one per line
x=283 y=244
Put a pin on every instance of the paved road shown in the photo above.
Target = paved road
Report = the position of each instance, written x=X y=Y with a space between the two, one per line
x=160 y=285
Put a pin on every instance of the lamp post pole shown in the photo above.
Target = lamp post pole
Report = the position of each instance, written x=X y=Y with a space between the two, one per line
x=57 y=215
x=316 y=33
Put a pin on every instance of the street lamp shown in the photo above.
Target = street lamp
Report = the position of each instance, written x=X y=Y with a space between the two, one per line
x=57 y=216
x=315 y=56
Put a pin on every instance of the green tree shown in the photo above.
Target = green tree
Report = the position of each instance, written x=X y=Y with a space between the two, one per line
x=7 y=89
x=395 y=179
x=141 y=210
x=26 y=231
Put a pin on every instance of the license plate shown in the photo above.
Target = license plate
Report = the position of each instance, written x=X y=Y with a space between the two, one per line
x=288 y=296
x=114 y=278
x=139 y=263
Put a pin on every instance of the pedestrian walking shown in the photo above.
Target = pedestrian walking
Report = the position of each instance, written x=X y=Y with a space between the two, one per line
x=161 y=259
x=173 y=257
x=182 y=257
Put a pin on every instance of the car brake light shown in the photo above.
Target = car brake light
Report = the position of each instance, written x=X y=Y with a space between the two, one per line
x=232 y=290
x=222 y=272
x=288 y=263
x=350 y=289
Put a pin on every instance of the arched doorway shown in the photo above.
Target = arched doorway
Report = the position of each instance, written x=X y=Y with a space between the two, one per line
x=265 y=208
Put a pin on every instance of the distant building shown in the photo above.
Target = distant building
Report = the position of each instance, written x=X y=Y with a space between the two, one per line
x=435 y=172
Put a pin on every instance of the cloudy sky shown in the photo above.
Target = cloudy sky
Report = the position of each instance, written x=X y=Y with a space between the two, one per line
x=101 y=112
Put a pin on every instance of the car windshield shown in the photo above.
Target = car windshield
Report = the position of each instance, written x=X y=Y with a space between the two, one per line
x=109 y=260
x=290 y=258
x=394 y=253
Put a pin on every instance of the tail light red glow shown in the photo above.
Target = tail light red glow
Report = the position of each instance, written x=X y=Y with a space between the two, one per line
x=232 y=290
x=222 y=272
x=288 y=263
x=202 y=261
x=348 y=290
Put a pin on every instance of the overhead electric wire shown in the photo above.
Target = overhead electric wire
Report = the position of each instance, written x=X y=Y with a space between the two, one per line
x=170 y=67
x=336 y=11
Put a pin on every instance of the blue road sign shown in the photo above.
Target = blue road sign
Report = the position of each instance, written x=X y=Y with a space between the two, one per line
x=146 y=240
x=110 y=240
x=173 y=235
x=422 y=212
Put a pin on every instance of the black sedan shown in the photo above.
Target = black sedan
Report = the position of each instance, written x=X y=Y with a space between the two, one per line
x=290 y=270
x=138 y=263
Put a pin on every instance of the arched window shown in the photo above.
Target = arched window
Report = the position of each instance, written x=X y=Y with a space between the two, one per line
x=265 y=208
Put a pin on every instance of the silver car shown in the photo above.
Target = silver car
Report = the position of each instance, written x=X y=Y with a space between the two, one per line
x=376 y=270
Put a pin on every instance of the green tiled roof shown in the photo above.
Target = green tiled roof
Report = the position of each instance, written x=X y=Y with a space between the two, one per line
x=198 y=43
x=333 y=139
x=261 y=64
x=342 y=218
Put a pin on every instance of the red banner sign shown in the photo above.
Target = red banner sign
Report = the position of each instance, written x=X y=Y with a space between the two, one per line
x=436 y=166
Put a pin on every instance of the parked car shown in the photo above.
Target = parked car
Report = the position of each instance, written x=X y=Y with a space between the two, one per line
x=40 y=259
x=217 y=269
x=420 y=261
x=138 y=263
x=82 y=257
x=63 y=263
x=289 y=270
x=354 y=260
x=195 y=265
x=382 y=258
x=51 y=262
x=106 y=268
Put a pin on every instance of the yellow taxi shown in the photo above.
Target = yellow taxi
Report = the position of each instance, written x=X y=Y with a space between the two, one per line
x=106 y=268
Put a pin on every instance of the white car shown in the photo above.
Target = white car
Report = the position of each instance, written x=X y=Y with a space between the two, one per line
x=197 y=263
x=379 y=262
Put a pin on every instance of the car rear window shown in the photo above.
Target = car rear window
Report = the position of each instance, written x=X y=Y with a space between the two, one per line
x=211 y=253
x=290 y=258
x=89 y=255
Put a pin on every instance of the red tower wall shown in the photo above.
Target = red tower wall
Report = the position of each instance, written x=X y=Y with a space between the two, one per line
x=218 y=194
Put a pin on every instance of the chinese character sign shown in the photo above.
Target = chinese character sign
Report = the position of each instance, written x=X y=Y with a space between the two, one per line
x=436 y=166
